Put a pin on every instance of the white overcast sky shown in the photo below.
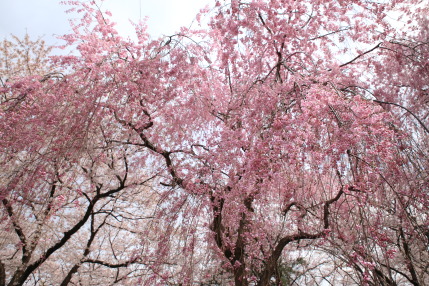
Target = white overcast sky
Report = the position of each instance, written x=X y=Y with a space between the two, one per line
x=46 y=18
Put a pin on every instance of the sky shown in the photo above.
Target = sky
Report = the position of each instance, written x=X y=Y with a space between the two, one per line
x=47 y=18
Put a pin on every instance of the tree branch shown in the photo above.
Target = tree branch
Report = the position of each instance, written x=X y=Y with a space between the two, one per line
x=360 y=55
x=406 y=109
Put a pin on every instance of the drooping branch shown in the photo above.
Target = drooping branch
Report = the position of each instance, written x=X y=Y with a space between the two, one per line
x=406 y=109
x=148 y=144
x=271 y=262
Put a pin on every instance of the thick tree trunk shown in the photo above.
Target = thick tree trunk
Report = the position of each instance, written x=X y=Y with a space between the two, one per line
x=269 y=270
x=2 y=274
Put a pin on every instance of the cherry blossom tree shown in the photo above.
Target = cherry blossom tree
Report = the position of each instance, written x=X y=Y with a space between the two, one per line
x=77 y=206
x=284 y=135
x=391 y=246
x=23 y=57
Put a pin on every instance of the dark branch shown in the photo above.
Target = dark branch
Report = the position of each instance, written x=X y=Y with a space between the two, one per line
x=360 y=55
x=406 y=109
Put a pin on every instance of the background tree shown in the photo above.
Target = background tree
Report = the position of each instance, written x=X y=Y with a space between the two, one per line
x=23 y=57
